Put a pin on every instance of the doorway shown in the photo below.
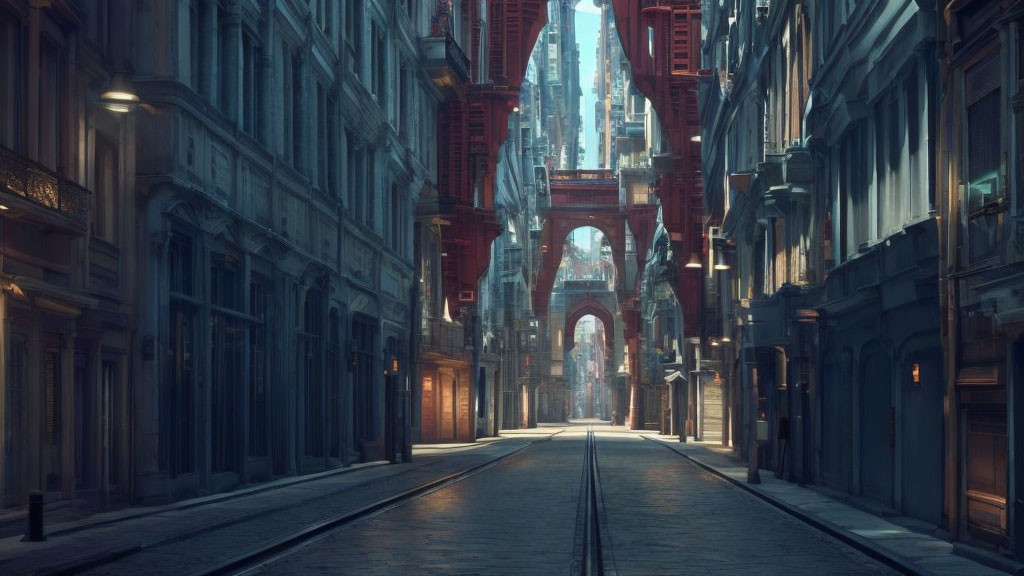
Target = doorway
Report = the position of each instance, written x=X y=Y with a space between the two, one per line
x=877 y=417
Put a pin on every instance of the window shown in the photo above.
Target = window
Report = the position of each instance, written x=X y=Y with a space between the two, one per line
x=112 y=420
x=334 y=384
x=983 y=157
x=379 y=86
x=85 y=431
x=363 y=378
x=99 y=24
x=322 y=14
x=227 y=333
x=332 y=147
x=311 y=342
x=227 y=65
x=296 y=108
x=322 y=127
x=357 y=171
x=196 y=46
x=402 y=119
x=353 y=27
x=178 y=445
x=251 y=97
x=351 y=181
x=258 y=367
x=51 y=104
x=285 y=92
x=108 y=188
x=12 y=57
x=370 y=190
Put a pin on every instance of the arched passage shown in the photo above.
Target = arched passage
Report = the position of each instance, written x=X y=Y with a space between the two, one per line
x=661 y=41
x=578 y=199
x=588 y=368
x=588 y=307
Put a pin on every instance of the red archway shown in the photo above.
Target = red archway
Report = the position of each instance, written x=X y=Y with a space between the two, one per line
x=661 y=40
x=578 y=199
x=589 y=307
x=474 y=124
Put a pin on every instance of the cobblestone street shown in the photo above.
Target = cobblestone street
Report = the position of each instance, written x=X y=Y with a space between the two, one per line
x=666 y=516
x=505 y=506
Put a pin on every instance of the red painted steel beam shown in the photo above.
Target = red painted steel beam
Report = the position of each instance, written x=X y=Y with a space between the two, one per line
x=471 y=131
x=661 y=39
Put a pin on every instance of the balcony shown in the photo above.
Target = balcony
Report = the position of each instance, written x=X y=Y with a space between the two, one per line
x=445 y=62
x=447 y=340
x=41 y=194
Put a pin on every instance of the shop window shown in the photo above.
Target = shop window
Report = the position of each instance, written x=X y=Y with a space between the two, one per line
x=178 y=446
x=227 y=329
x=363 y=336
x=312 y=341
x=258 y=367
x=334 y=431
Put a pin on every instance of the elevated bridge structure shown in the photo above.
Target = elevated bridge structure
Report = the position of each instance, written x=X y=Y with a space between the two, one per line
x=473 y=124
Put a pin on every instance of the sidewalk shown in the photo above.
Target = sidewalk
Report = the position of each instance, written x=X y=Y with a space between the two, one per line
x=898 y=545
x=202 y=531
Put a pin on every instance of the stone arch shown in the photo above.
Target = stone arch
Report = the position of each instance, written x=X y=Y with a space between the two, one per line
x=557 y=229
x=589 y=307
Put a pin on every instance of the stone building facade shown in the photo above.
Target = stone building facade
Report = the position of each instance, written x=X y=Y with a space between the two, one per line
x=865 y=217
x=823 y=242
x=288 y=146
x=207 y=284
x=67 y=255
x=979 y=170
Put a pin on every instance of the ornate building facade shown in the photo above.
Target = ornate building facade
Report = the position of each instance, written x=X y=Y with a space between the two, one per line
x=861 y=233
x=207 y=241
x=67 y=255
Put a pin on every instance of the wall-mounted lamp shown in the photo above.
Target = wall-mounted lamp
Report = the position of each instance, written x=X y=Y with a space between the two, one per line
x=119 y=96
x=694 y=261
x=915 y=373
x=695 y=138
x=720 y=263
x=516 y=109
x=2 y=207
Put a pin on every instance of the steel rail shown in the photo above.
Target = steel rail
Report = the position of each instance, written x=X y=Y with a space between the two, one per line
x=296 y=538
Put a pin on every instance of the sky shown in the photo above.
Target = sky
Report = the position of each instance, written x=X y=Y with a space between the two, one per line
x=588 y=29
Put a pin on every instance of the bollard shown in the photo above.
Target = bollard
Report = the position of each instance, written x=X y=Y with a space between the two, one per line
x=34 y=532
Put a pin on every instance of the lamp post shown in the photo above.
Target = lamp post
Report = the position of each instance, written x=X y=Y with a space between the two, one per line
x=753 y=471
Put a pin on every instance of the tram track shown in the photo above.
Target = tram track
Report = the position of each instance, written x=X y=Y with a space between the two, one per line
x=592 y=550
x=291 y=540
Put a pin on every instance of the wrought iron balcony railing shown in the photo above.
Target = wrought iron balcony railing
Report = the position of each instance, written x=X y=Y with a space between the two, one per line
x=445 y=338
x=23 y=177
